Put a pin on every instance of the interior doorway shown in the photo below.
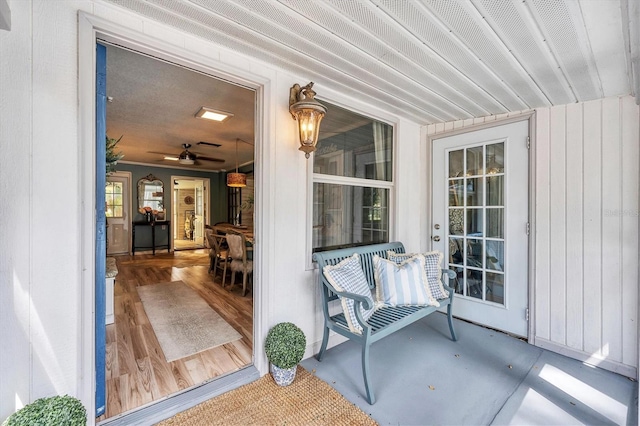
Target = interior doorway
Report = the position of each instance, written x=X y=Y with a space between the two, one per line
x=141 y=371
x=190 y=211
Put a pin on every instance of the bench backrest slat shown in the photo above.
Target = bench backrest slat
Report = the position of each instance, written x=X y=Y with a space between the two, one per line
x=333 y=257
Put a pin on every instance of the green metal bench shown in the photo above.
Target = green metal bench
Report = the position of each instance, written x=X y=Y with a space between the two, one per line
x=385 y=320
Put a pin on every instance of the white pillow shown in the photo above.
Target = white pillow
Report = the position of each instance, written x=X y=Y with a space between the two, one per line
x=348 y=276
x=402 y=284
x=433 y=259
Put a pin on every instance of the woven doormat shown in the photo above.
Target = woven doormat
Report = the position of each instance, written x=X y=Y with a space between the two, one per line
x=307 y=401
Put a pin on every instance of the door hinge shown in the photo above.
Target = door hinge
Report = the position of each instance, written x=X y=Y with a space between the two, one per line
x=526 y=314
x=528 y=228
x=528 y=142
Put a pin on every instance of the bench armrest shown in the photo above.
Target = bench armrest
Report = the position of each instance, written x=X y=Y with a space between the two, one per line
x=358 y=299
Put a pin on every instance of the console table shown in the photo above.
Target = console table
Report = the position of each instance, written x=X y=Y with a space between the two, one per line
x=153 y=225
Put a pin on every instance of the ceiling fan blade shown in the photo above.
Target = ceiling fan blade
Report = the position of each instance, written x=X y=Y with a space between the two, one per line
x=217 y=145
x=215 y=160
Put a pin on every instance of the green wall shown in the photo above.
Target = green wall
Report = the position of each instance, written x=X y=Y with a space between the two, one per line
x=217 y=192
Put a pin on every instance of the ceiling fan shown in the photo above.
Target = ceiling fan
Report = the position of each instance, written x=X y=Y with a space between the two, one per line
x=187 y=157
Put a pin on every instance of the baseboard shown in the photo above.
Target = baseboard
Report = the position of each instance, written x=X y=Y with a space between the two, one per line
x=595 y=360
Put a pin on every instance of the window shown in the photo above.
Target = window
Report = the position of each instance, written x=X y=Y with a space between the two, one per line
x=113 y=192
x=352 y=181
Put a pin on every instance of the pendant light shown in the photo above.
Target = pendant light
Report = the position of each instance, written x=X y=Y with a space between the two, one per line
x=236 y=180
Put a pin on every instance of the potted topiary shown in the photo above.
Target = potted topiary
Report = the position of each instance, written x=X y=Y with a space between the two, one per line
x=57 y=410
x=285 y=345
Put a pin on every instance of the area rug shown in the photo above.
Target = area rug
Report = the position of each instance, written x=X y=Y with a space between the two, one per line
x=183 y=321
x=307 y=401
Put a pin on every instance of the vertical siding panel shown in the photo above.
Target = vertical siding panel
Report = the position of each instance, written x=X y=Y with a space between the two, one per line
x=574 y=226
x=630 y=160
x=542 y=267
x=611 y=231
x=557 y=249
x=592 y=227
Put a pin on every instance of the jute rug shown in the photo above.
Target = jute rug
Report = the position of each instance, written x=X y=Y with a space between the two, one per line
x=183 y=322
x=307 y=401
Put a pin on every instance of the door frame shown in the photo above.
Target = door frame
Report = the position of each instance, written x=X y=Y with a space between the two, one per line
x=531 y=116
x=207 y=202
x=91 y=29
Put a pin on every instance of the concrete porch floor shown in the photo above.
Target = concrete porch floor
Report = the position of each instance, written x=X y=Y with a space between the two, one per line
x=421 y=377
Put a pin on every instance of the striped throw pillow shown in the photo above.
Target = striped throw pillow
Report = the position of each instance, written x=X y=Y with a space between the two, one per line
x=433 y=260
x=402 y=284
x=348 y=276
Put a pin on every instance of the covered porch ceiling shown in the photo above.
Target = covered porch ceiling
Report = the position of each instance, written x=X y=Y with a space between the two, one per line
x=427 y=60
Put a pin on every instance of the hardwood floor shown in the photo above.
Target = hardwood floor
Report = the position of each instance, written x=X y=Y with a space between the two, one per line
x=136 y=370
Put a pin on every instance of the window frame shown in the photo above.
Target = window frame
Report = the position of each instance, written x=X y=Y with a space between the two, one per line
x=390 y=185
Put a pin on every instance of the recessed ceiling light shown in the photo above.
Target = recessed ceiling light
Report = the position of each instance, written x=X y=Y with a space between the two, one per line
x=212 y=114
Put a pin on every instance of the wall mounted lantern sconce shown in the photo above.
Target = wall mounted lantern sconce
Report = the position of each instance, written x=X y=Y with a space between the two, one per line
x=236 y=180
x=308 y=112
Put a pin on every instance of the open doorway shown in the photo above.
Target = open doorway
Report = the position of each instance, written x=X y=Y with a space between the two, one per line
x=141 y=369
x=190 y=212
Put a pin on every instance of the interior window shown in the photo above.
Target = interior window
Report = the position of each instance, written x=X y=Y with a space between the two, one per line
x=352 y=180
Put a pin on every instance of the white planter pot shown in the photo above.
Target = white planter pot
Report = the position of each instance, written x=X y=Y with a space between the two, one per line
x=283 y=376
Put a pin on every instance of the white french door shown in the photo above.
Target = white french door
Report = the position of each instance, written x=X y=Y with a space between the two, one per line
x=480 y=222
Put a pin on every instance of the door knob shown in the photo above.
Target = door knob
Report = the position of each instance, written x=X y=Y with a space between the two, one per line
x=436 y=238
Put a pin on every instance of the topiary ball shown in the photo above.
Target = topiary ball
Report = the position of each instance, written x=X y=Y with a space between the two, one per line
x=285 y=345
x=54 y=411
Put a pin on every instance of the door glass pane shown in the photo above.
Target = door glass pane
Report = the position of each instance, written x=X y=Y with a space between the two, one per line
x=495 y=158
x=474 y=284
x=456 y=251
x=495 y=255
x=475 y=239
x=474 y=222
x=495 y=288
x=475 y=252
x=495 y=223
x=456 y=164
x=456 y=221
x=474 y=192
x=456 y=192
x=495 y=188
x=474 y=161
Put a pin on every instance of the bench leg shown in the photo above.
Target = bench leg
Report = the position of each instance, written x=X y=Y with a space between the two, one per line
x=365 y=372
x=450 y=318
x=323 y=346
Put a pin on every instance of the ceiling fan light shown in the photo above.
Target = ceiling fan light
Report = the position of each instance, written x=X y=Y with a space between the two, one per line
x=172 y=158
x=236 y=180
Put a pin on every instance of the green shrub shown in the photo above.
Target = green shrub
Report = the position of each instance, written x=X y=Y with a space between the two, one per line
x=285 y=345
x=53 y=411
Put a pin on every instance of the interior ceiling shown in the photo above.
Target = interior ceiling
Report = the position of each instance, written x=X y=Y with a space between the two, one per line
x=427 y=60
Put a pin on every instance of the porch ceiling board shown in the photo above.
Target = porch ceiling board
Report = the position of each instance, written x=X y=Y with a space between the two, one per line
x=427 y=60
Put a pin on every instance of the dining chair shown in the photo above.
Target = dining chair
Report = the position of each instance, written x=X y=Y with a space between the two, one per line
x=218 y=254
x=239 y=262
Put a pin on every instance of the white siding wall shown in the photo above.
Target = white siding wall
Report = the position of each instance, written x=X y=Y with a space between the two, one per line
x=43 y=282
x=586 y=230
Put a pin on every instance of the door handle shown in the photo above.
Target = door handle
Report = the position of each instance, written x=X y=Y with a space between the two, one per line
x=436 y=238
